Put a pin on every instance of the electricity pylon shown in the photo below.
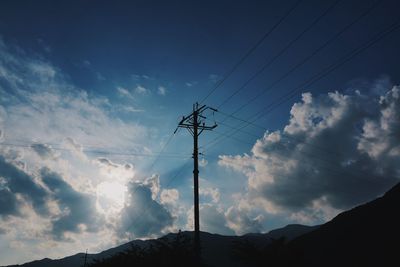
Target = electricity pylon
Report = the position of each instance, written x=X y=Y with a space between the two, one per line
x=195 y=124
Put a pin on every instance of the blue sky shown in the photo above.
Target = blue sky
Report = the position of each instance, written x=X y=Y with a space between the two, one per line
x=90 y=93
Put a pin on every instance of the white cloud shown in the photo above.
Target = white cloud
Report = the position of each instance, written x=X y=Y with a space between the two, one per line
x=213 y=193
x=203 y=162
x=142 y=216
x=169 y=196
x=124 y=92
x=337 y=151
x=162 y=90
x=212 y=220
x=239 y=220
x=191 y=83
x=141 y=90
x=67 y=198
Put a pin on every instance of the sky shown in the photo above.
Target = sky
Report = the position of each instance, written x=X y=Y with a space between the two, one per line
x=308 y=100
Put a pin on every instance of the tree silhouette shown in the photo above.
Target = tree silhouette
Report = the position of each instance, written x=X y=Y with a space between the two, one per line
x=162 y=252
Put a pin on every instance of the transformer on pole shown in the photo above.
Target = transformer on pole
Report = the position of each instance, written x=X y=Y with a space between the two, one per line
x=195 y=124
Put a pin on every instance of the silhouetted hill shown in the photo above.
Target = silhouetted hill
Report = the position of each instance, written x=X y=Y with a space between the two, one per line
x=367 y=235
x=216 y=249
x=363 y=236
x=290 y=231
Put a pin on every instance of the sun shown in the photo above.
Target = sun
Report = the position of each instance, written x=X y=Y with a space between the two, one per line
x=113 y=192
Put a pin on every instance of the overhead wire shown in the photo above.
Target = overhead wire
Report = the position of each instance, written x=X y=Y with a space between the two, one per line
x=161 y=151
x=326 y=71
x=251 y=50
x=302 y=62
x=310 y=155
x=178 y=173
x=282 y=134
x=269 y=62
x=105 y=152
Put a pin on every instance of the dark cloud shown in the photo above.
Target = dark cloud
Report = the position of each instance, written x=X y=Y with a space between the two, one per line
x=77 y=208
x=339 y=150
x=72 y=142
x=142 y=216
x=19 y=182
x=239 y=220
x=44 y=151
x=107 y=162
x=8 y=203
x=213 y=220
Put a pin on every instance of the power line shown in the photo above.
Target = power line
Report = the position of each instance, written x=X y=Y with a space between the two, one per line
x=326 y=71
x=376 y=38
x=161 y=151
x=325 y=44
x=282 y=134
x=99 y=151
x=195 y=124
x=268 y=63
x=302 y=62
x=310 y=155
x=250 y=51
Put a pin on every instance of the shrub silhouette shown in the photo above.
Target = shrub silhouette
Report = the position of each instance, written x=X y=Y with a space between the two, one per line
x=251 y=255
x=177 y=252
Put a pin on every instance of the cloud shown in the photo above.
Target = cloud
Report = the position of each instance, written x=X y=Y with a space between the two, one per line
x=169 y=196
x=72 y=198
x=162 y=90
x=116 y=172
x=72 y=143
x=212 y=220
x=337 y=151
x=214 y=78
x=106 y=162
x=239 y=220
x=123 y=92
x=75 y=148
x=380 y=137
x=44 y=151
x=141 y=90
x=142 y=216
x=191 y=83
x=131 y=109
x=87 y=63
x=203 y=162
x=212 y=193
x=35 y=95
x=8 y=203
x=16 y=181
x=78 y=210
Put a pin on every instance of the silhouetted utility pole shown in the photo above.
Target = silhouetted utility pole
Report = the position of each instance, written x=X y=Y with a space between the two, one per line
x=196 y=125
x=85 y=261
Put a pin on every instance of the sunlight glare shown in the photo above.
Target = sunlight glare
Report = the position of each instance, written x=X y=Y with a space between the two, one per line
x=112 y=191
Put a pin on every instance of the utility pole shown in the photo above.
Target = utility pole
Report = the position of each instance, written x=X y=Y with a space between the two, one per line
x=85 y=259
x=195 y=124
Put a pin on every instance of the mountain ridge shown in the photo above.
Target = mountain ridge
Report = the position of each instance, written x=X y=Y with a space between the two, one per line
x=361 y=236
x=218 y=242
